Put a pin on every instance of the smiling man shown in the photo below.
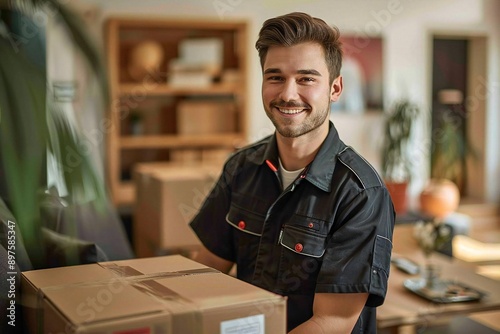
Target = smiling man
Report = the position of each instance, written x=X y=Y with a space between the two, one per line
x=300 y=213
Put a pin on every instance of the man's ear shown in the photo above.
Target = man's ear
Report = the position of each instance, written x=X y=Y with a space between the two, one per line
x=336 y=89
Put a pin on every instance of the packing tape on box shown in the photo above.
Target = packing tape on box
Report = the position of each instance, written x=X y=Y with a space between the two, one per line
x=188 y=317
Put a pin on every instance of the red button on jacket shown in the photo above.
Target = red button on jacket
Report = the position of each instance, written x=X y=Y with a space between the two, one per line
x=242 y=224
x=299 y=247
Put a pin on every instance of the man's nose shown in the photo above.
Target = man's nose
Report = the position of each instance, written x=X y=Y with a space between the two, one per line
x=289 y=91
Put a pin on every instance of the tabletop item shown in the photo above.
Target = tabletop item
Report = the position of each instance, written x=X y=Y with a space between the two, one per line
x=444 y=291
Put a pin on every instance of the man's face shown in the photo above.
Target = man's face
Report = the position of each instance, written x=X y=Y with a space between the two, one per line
x=296 y=90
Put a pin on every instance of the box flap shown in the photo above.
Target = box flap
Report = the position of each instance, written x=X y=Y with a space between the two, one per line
x=101 y=301
x=67 y=275
x=172 y=263
x=209 y=292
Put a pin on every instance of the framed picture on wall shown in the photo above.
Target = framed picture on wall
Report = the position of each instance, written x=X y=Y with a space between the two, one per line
x=362 y=75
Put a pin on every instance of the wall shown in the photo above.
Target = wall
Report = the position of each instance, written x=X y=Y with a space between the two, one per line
x=492 y=94
x=406 y=27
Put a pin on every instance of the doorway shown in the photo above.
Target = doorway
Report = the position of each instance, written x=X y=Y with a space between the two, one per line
x=458 y=112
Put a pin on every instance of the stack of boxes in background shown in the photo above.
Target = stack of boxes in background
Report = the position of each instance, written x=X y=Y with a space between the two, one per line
x=168 y=196
x=199 y=63
x=204 y=117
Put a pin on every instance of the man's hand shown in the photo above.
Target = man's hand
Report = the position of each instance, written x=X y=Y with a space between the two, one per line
x=204 y=256
x=333 y=313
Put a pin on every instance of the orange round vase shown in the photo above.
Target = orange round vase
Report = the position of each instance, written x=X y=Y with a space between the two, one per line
x=439 y=198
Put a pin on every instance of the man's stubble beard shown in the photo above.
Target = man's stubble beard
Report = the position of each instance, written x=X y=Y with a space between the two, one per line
x=309 y=124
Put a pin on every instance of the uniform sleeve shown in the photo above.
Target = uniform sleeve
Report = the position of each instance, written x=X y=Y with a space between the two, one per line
x=358 y=252
x=209 y=224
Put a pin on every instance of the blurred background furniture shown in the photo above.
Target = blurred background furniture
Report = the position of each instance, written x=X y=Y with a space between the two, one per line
x=403 y=309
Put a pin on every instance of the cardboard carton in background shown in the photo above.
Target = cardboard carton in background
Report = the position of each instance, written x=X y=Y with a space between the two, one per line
x=167 y=295
x=168 y=197
x=204 y=117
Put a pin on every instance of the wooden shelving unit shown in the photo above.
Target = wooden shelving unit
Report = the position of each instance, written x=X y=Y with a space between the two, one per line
x=152 y=103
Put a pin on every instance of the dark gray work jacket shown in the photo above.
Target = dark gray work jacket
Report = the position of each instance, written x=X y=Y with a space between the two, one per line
x=329 y=231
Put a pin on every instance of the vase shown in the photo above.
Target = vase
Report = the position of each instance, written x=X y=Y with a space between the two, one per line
x=136 y=128
x=439 y=198
x=398 y=193
x=145 y=59
x=430 y=275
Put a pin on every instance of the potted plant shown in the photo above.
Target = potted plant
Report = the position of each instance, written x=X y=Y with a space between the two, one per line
x=396 y=160
x=450 y=144
x=450 y=149
x=37 y=136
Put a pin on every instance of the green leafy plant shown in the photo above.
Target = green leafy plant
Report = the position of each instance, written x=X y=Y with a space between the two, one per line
x=32 y=127
x=450 y=149
x=399 y=125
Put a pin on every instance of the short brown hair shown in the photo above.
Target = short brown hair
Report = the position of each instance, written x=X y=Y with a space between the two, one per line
x=296 y=28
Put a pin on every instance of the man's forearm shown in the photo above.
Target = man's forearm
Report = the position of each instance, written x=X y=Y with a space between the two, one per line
x=321 y=325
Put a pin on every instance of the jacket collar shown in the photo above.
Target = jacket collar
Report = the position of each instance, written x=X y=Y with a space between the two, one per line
x=320 y=170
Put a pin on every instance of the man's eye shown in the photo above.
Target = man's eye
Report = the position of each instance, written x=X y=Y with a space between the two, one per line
x=307 y=79
x=275 y=78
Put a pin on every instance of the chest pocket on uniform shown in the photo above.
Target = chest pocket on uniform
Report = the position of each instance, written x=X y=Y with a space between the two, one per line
x=244 y=220
x=248 y=229
x=305 y=236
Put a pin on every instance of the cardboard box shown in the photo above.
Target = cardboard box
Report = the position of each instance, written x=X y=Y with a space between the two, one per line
x=167 y=295
x=205 y=117
x=209 y=156
x=186 y=156
x=168 y=197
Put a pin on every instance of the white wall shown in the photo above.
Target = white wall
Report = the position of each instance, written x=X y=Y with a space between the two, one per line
x=492 y=172
x=406 y=27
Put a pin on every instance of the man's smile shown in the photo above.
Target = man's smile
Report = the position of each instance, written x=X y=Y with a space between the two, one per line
x=290 y=108
x=290 y=111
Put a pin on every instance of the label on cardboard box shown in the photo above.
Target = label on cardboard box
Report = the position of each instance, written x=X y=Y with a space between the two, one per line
x=247 y=325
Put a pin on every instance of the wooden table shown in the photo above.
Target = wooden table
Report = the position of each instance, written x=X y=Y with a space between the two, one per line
x=402 y=307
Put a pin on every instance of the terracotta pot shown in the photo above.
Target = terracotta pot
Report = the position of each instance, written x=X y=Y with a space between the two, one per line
x=439 y=198
x=398 y=190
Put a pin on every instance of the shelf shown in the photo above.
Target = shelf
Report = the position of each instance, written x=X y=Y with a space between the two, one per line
x=158 y=89
x=183 y=119
x=137 y=23
x=177 y=141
